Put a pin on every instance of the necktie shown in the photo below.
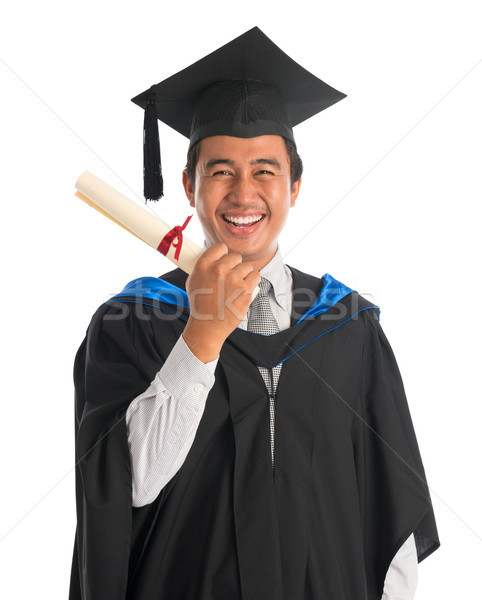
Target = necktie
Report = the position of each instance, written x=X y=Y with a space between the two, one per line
x=261 y=320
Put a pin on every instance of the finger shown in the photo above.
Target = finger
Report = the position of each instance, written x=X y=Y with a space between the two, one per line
x=243 y=269
x=230 y=260
x=216 y=251
x=253 y=279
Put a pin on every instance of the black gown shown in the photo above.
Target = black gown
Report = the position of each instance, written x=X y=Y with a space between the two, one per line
x=348 y=487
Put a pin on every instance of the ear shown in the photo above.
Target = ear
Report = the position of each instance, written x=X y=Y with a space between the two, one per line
x=295 y=190
x=188 y=188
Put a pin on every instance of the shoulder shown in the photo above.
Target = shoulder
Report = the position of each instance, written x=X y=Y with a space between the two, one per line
x=135 y=301
x=137 y=314
x=330 y=298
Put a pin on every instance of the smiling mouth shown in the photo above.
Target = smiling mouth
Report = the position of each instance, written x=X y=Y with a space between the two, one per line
x=243 y=225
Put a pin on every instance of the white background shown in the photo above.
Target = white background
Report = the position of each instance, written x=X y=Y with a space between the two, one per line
x=389 y=206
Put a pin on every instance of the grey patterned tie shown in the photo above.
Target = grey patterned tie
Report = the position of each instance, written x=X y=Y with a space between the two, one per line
x=261 y=320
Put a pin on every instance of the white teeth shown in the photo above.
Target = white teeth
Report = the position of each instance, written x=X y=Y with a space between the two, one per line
x=243 y=220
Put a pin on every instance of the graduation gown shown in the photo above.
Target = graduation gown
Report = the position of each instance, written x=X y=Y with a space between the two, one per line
x=348 y=486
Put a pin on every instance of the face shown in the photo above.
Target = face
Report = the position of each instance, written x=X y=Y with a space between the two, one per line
x=237 y=178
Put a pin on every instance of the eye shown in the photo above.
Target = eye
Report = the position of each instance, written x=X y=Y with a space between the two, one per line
x=264 y=172
x=221 y=173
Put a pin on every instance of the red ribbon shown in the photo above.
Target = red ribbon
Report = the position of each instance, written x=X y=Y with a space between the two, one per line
x=168 y=239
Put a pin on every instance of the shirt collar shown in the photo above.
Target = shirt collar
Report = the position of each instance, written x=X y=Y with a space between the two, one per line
x=275 y=273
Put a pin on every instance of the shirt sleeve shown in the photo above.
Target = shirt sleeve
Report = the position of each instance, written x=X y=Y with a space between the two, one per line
x=402 y=576
x=163 y=420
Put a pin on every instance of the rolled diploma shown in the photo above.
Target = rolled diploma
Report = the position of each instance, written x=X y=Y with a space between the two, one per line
x=137 y=220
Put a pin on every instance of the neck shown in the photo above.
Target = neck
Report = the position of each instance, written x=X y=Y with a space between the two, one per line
x=260 y=263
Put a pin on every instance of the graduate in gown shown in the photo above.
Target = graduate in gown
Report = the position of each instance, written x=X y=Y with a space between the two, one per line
x=290 y=470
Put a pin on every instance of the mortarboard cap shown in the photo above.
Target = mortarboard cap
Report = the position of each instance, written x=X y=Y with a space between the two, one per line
x=246 y=88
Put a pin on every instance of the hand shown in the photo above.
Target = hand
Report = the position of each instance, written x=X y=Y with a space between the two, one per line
x=220 y=289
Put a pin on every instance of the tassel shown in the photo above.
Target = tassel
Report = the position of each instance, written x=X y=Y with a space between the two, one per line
x=153 y=184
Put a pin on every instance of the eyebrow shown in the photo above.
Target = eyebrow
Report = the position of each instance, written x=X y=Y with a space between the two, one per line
x=266 y=161
x=219 y=161
x=227 y=161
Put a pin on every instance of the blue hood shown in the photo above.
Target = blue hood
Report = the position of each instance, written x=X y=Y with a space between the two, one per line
x=143 y=289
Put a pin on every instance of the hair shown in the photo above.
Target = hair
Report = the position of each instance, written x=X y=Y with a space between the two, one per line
x=296 y=164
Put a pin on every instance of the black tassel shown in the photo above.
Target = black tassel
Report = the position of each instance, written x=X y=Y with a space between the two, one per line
x=153 y=184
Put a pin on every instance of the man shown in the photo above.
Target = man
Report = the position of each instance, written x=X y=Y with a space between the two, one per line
x=238 y=449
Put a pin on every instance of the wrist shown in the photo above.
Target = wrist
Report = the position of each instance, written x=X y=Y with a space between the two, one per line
x=201 y=343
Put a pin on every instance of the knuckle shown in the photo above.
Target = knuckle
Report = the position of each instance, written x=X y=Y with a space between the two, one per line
x=218 y=269
x=236 y=256
x=200 y=264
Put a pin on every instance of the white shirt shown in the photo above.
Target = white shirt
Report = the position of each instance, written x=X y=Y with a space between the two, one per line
x=162 y=423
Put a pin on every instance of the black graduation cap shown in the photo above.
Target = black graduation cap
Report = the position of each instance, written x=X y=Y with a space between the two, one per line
x=246 y=88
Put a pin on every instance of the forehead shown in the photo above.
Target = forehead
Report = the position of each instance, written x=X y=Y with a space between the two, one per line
x=240 y=150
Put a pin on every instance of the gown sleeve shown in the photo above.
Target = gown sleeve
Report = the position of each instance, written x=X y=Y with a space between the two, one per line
x=115 y=363
x=393 y=493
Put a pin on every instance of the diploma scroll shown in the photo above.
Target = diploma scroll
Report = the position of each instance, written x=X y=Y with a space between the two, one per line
x=134 y=218
x=137 y=220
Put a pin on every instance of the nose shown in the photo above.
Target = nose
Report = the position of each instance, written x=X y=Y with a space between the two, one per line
x=243 y=189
